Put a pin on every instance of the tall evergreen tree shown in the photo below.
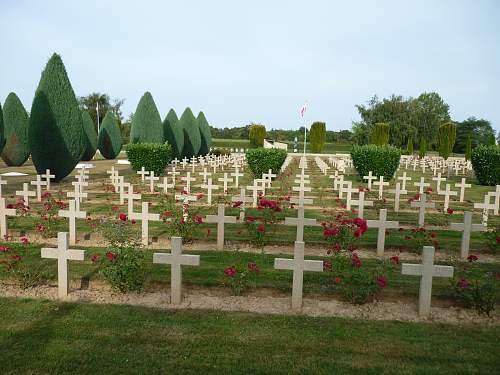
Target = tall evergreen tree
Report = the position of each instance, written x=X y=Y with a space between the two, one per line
x=110 y=139
x=409 y=146
x=146 y=123
x=2 y=138
x=56 y=135
x=174 y=134
x=192 y=137
x=16 y=124
x=422 y=148
x=206 y=135
x=447 y=135
x=90 y=137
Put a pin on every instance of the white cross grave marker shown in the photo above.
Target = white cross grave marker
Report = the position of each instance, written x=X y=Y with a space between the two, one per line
x=421 y=185
x=382 y=224
x=72 y=214
x=243 y=199
x=225 y=180
x=403 y=178
x=397 y=193
x=47 y=177
x=236 y=174
x=422 y=205
x=300 y=222
x=152 y=178
x=4 y=212
x=462 y=187
x=145 y=218
x=188 y=180
x=220 y=219
x=143 y=173
x=447 y=193
x=361 y=203
x=380 y=183
x=209 y=188
x=438 y=180
x=370 y=177
x=467 y=227
x=39 y=183
x=26 y=194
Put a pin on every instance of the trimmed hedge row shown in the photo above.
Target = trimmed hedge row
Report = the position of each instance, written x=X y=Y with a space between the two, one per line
x=152 y=156
x=380 y=160
x=16 y=124
x=486 y=163
x=260 y=160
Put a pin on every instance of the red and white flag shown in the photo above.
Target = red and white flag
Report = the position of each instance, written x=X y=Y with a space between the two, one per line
x=303 y=109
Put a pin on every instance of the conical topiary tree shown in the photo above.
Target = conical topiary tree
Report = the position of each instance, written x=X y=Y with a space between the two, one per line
x=192 y=137
x=2 y=138
x=174 y=134
x=91 y=137
x=16 y=124
x=146 y=124
x=56 y=135
x=206 y=135
x=110 y=139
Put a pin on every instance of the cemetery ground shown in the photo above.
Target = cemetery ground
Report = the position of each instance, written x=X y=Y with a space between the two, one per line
x=330 y=148
x=111 y=332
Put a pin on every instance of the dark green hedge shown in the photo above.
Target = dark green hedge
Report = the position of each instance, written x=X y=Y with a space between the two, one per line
x=174 y=134
x=192 y=136
x=2 y=138
x=206 y=135
x=146 y=123
x=90 y=137
x=260 y=160
x=110 y=138
x=56 y=135
x=151 y=156
x=381 y=160
x=16 y=124
x=486 y=163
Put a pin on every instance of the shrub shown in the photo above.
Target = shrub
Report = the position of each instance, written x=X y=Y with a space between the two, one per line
x=446 y=137
x=181 y=220
x=91 y=137
x=422 y=148
x=486 y=164
x=174 y=134
x=381 y=160
x=468 y=148
x=409 y=147
x=56 y=135
x=206 y=135
x=264 y=226
x=260 y=160
x=192 y=136
x=256 y=135
x=25 y=274
x=16 y=124
x=240 y=277
x=151 y=156
x=317 y=136
x=110 y=139
x=146 y=124
x=380 y=134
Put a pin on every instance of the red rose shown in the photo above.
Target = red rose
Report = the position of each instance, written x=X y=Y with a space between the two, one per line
x=4 y=249
x=252 y=266
x=230 y=271
x=122 y=217
x=381 y=281
x=111 y=256
x=327 y=265
x=472 y=258
x=261 y=228
x=94 y=258
x=198 y=219
x=337 y=280
x=449 y=211
x=395 y=259
x=463 y=283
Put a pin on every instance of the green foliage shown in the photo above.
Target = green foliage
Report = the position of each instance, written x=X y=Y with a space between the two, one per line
x=16 y=124
x=409 y=146
x=192 y=136
x=381 y=160
x=2 y=137
x=89 y=104
x=110 y=140
x=23 y=273
x=180 y=221
x=260 y=160
x=91 y=137
x=468 y=148
x=56 y=135
x=256 y=135
x=317 y=136
x=479 y=130
x=174 y=134
x=486 y=164
x=446 y=137
x=380 y=134
x=206 y=135
x=151 y=156
x=146 y=123
x=422 y=148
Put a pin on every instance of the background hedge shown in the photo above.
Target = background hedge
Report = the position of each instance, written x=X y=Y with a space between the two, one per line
x=174 y=134
x=260 y=160
x=146 y=123
x=110 y=138
x=206 y=135
x=380 y=134
x=192 y=136
x=152 y=156
x=2 y=138
x=56 y=135
x=381 y=160
x=256 y=135
x=317 y=136
x=16 y=124
x=486 y=163
x=90 y=137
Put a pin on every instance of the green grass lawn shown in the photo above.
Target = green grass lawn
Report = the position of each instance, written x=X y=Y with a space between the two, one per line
x=42 y=337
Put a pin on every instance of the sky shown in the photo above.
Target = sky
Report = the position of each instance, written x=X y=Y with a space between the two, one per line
x=259 y=61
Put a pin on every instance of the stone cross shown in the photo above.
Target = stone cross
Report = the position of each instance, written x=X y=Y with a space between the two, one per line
x=427 y=270
x=130 y=196
x=403 y=178
x=220 y=219
x=120 y=184
x=39 y=183
x=205 y=174
x=2 y=182
x=421 y=185
x=496 y=204
x=447 y=193
x=380 y=183
x=152 y=178
x=165 y=185
x=349 y=190
x=467 y=227
x=236 y=174
x=4 y=212
x=301 y=201
x=382 y=224
x=188 y=180
x=209 y=188
x=26 y=194
x=77 y=194
x=397 y=193
x=298 y=265
x=438 y=180
x=268 y=177
x=462 y=187
x=173 y=173
x=300 y=222
x=47 y=177
x=243 y=199
x=225 y=180
x=255 y=188
x=422 y=205
x=145 y=218
x=370 y=177
x=72 y=214
x=175 y=162
x=485 y=206
x=143 y=173
x=361 y=203
x=62 y=253
x=184 y=162
x=176 y=259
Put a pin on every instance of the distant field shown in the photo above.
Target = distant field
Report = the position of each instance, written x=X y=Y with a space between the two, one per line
x=330 y=148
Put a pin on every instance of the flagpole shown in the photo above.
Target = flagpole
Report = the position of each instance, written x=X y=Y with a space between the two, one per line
x=97 y=111
x=305 y=137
